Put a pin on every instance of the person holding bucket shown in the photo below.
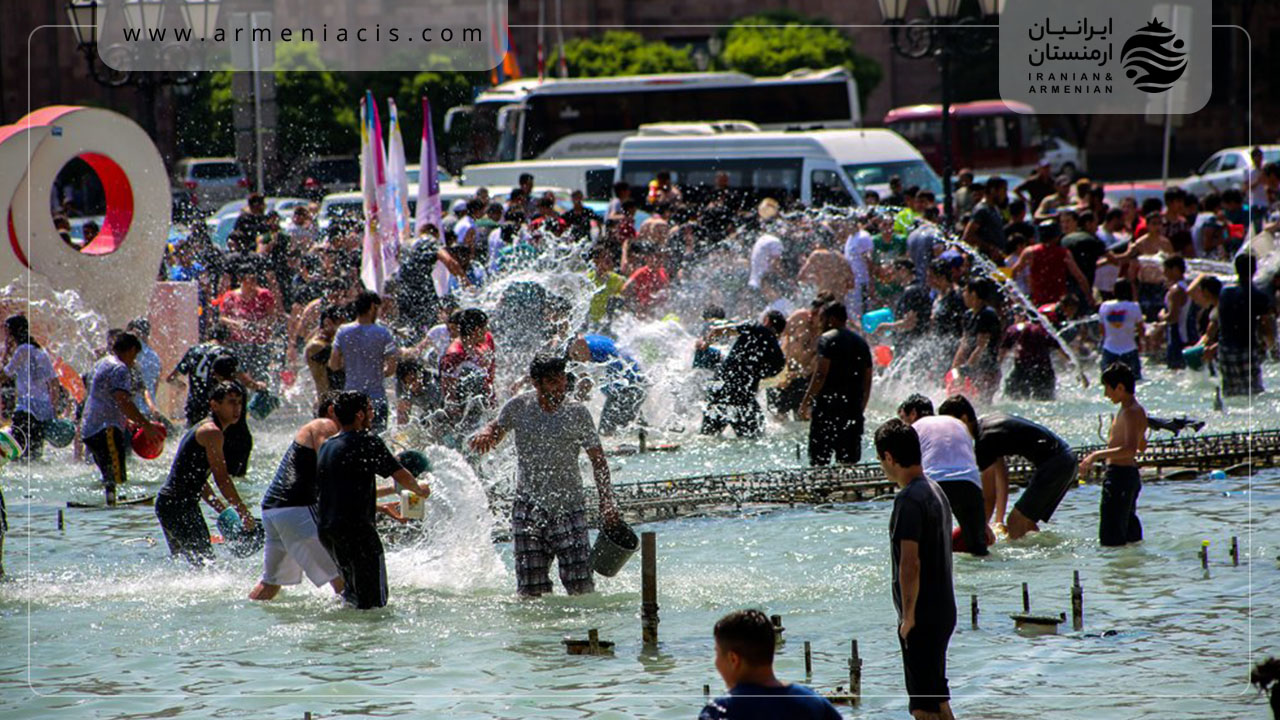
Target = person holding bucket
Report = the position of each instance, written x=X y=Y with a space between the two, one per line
x=548 y=517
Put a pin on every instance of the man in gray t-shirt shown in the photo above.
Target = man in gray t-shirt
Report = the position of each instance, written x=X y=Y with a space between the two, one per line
x=548 y=517
x=366 y=351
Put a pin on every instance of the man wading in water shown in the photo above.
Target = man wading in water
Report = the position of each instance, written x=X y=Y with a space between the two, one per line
x=548 y=518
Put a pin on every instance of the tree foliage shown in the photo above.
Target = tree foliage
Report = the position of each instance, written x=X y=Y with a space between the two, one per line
x=756 y=46
x=318 y=110
x=618 y=52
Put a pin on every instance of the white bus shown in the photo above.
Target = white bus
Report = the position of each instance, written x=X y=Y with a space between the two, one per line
x=815 y=167
x=588 y=117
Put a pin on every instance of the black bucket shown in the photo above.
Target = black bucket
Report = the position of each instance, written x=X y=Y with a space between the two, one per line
x=615 y=544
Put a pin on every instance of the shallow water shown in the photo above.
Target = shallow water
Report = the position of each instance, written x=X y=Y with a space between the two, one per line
x=99 y=623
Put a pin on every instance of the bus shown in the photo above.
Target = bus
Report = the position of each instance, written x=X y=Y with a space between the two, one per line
x=588 y=117
x=987 y=136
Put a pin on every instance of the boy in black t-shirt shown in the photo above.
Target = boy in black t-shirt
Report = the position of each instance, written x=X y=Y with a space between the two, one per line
x=345 y=475
x=920 y=540
x=978 y=356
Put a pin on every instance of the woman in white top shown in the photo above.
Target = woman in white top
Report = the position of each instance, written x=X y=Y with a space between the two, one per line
x=1121 y=327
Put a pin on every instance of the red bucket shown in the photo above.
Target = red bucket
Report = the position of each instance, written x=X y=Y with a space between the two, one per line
x=149 y=450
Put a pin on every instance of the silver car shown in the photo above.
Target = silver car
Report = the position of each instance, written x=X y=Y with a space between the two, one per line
x=210 y=181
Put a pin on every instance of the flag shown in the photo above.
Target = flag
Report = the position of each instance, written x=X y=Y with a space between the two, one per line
x=428 y=211
x=379 y=217
x=397 y=173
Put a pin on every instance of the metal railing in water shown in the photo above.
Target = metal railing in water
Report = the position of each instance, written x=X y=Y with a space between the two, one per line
x=1184 y=457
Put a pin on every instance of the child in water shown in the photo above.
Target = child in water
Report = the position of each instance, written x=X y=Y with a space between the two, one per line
x=1118 y=523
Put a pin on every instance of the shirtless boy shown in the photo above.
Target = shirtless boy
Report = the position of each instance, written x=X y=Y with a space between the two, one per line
x=1118 y=523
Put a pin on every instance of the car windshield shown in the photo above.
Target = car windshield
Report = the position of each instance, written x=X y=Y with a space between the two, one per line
x=912 y=172
x=215 y=171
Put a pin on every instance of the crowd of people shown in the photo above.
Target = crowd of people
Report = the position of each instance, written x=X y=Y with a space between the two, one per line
x=280 y=297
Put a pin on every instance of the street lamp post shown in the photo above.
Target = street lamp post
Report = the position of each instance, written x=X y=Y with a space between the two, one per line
x=945 y=35
x=117 y=64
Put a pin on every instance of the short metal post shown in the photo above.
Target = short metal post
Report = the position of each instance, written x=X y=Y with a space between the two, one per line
x=1235 y=547
x=777 y=629
x=808 y=662
x=649 y=588
x=306 y=715
x=706 y=692
x=1077 y=603
x=644 y=438
x=855 y=676
x=1204 y=554
x=1026 y=599
x=973 y=611
x=593 y=641
x=61 y=526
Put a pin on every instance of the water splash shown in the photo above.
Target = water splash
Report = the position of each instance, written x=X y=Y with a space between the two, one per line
x=60 y=320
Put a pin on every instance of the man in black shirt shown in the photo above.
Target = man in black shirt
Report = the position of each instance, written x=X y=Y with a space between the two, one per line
x=838 y=391
x=755 y=355
x=912 y=310
x=920 y=537
x=345 y=476
x=997 y=435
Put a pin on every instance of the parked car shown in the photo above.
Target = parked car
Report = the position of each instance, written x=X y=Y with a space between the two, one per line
x=1226 y=169
x=325 y=176
x=211 y=181
x=1063 y=157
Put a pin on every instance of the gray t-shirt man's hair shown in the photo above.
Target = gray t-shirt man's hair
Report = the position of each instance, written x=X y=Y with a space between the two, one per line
x=547 y=445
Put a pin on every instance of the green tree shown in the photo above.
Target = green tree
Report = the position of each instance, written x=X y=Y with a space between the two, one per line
x=756 y=46
x=619 y=52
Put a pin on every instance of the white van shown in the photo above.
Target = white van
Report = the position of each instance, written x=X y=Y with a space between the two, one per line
x=818 y=167
x=593 y=176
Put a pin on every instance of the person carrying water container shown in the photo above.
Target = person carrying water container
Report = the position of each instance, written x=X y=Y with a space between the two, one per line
x=108 y=407
x=201 y=453
x=998 y=435
x=35 y=386
x=347 y=468
x=548 y=517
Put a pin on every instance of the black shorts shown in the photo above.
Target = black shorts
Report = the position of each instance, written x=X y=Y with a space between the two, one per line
x=787 y=398
x=1118 y=521
x=108 y=449
x=184 y=528
x=835 y=429
x=970 y=510
x=1035 y=382
x=747 y=421
x=924 y=663
x=1049 y=484
x=358 y=553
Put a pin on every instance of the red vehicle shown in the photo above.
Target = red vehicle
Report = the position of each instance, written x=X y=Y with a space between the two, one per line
x=988 y=136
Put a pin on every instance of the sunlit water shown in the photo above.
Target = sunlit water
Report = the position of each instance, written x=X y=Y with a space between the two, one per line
x=99 y=623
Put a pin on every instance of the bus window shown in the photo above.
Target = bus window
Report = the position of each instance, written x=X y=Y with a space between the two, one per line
x=827 y=189
x=777 y=177
x=912 y=172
